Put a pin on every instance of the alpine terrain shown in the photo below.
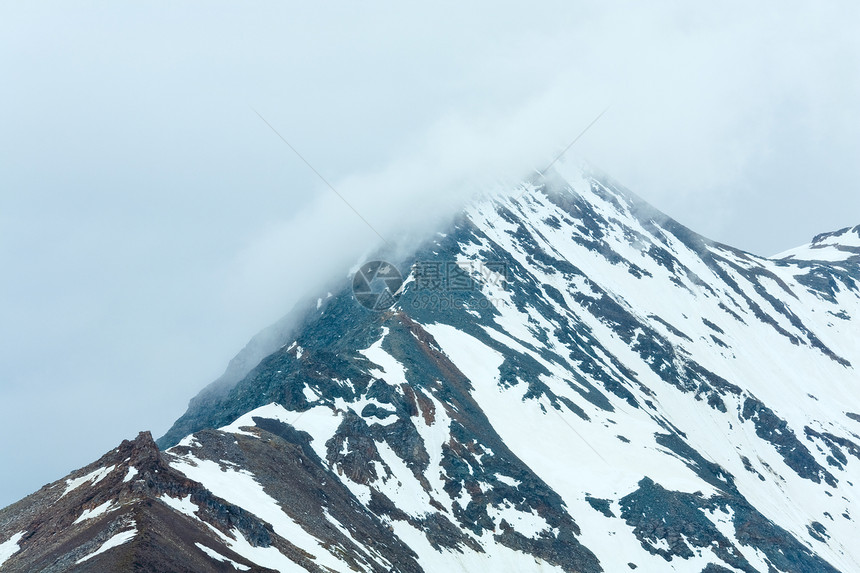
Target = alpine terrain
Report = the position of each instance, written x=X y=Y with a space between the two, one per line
x=565 y=379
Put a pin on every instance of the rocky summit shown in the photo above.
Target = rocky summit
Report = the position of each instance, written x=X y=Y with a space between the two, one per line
x=563 y=379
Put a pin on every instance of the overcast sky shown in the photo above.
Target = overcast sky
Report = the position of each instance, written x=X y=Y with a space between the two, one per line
x=151 y=223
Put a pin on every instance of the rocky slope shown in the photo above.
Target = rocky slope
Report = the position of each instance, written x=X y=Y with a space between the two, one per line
x=568 y=380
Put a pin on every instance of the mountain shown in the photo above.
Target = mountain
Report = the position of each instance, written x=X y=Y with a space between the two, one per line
x=837 y=246
x=565 y=379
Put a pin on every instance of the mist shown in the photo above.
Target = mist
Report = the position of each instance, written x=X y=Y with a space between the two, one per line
x=151 y=223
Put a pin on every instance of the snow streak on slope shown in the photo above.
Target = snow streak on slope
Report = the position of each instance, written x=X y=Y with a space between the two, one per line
x=115 y=541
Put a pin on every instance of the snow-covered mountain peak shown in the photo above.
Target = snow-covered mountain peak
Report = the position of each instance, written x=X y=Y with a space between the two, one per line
x=564 y=379
x=847 y=237
x=834 y=247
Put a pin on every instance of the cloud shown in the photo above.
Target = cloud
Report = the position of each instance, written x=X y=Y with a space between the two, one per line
x=698 y=100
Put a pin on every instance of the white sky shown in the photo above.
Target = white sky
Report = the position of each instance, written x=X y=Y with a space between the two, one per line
x=150 y=223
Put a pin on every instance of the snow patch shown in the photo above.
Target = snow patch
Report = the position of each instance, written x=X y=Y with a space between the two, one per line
x=268 y=557
x=115 y=541
x=94 y=477
x=182 y=505
x=96 y=511
x=392 y=371
x=218 y=557
x=508 y=480
x=310 y=395
x=10 y=547
x=188 y=441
